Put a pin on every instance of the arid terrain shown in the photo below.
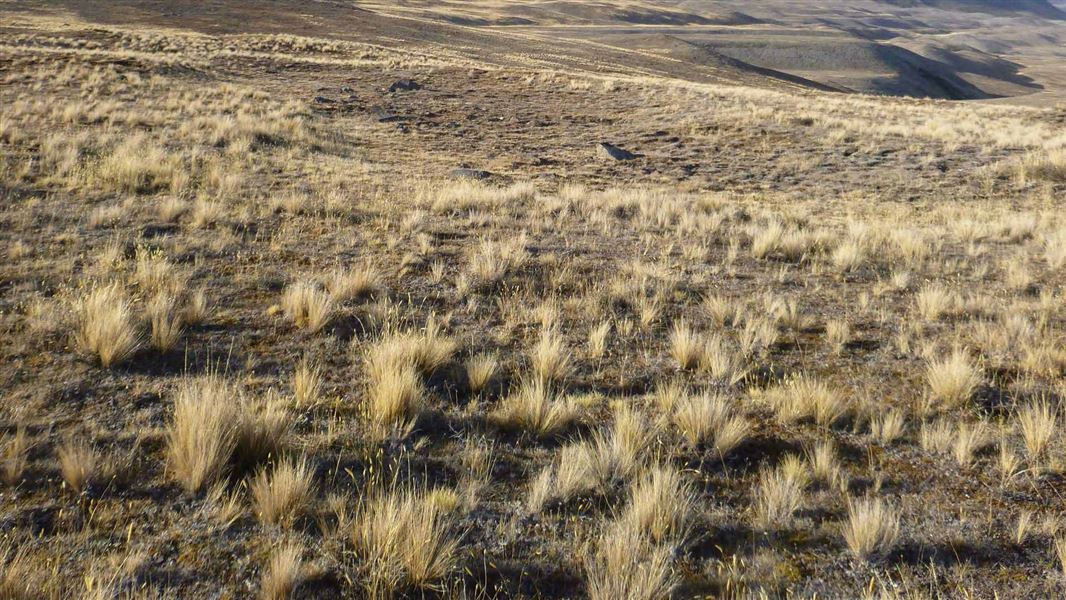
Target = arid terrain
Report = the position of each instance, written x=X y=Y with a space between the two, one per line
x=532 y=299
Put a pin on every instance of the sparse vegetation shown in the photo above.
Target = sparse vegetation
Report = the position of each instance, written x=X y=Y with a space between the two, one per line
x=271 y=327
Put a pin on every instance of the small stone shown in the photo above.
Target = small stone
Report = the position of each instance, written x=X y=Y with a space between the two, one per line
x=614 y=152
x=476 y=174
x=404 y=85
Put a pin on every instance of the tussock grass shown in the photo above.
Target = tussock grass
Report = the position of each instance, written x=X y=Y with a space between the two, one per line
x=201 y=437
x=166 y=322
x=137 y=165
x=803 y=397
x=14 y=449
x=534 y=407
x=661 y=506
x=685 y=346
x=872 y=527
x=888 y=427
x=395 y=393
x=351 y=284
x=709 y=418
x=406 y=540
x=1038 y=422
x=283 y=574
x=952 y=379
x=550 y=358
x=625 y=565
x=281 y=494
x=306 y=383
x=480 y=371
x=106 y=328
x=308 y=306
x=779 y=493
x=79 y=463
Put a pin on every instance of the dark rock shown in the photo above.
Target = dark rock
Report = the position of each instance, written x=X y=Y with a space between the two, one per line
x=404 y=85
x=347 y=90
x=614 y=152
x=388 y=118
x=465 y=173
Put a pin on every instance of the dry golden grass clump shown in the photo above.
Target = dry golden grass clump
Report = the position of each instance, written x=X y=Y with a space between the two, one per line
x=80 y=464
x=803 y=397
x=952 y=379
x=283 y=492
x=780 y=492
x=283 y=574
x=872 y=527
x=480 y=370
x=13 y=456
x=405 y=539
x=536 y=408
x=106 y=328
x=201 y=437
x=215 y=428
x=625 y=564
x=710 y=419
x=308 y=305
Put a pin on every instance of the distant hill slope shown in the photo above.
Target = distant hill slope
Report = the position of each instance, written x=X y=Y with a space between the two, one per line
x=1042 y=8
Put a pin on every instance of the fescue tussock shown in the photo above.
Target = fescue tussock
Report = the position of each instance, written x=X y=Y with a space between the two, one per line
x=1007 y=462
x=283 y=574
x=534 y=407
x=196 y=308
x=888 y=426
x=934 y=301
x=201 y=436
x=625 y=565
x=709 y=418
x=306 y=383
x=720 y=361
x=165 y=321
x=872 y=527
x=779 y=493
x=685 y=346
x=137 y=165
x=395 y=393
x=824 y=463
x=549 y=358
x=969 y=438
x=661 y=506
x=155 y=274
x=1038 y=422
x=263 y=426
x=598 y=340
x=79 y=463
x=953 y=379
x=803 y=397
x=280 y=494
x=307 y=305
x=775 y=240
x=105 y=325
x=13 y=456
x=849 y=255
x=352 y=284
x=405 y=540
x=723 y=311
x=837 y=333
x=424 y=351
x=936 y=436
x=480 y=370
